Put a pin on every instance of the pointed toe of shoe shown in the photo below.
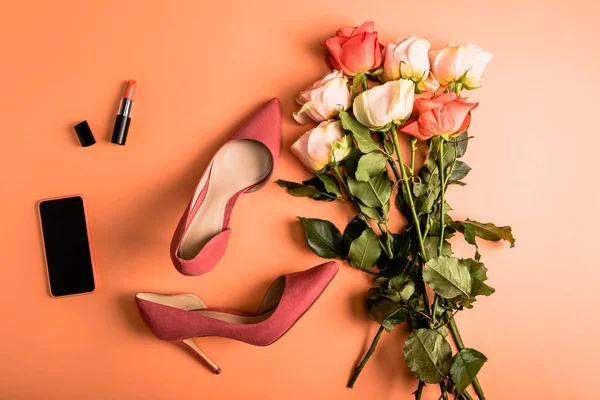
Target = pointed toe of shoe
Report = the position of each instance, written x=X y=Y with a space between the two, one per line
x=264 y=126
x=323 y=273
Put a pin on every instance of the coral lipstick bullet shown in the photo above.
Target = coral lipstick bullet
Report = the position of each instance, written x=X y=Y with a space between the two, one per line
x=124 y=116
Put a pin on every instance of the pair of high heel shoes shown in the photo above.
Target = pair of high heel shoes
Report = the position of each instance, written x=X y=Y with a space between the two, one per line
x=243 y=164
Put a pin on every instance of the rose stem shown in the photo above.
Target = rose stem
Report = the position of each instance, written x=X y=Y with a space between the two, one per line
x=413 y=148
x=408 y=193
x=466 y=395
x=460 y=344
x=419 y=391
x=443 y=390
x=442 y=171
x=411 y=204
x=364 y=361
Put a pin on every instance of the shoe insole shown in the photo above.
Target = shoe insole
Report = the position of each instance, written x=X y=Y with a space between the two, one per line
x=238 y=165
x=190 y=302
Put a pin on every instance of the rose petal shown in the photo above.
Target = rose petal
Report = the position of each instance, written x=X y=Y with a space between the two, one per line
x=412 y=128
x=459 y=109
x=320 y=139
x=356 y=55
x=418 y=58
x=368 y=26
x=300 y=150
x=464 y=125
x=403 y=92
x=336 y=96
x=436 y=122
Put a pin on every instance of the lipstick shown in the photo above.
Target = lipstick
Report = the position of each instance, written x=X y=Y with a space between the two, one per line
x=124 y=115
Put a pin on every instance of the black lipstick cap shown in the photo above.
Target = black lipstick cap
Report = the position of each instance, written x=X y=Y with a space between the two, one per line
x=84 y=133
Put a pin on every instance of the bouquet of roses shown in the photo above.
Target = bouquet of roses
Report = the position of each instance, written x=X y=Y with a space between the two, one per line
x=375 y=98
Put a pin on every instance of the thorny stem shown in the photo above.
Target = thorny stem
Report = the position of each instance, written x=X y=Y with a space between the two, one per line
x=442 y=195
x=408 y=192
x=413 y=149
x=419 y=391
x=443 y=390
x=442 y=167
x=364 y=361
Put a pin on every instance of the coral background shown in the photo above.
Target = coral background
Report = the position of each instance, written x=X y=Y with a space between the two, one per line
x=201 y=66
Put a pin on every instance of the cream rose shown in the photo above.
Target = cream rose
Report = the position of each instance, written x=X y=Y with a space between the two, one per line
x=390 y=102
x=465 y=62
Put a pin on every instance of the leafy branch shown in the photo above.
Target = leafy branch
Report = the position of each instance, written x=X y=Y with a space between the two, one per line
x=406 y=264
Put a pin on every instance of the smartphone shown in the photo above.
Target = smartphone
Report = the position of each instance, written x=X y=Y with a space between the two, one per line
x=67 y=245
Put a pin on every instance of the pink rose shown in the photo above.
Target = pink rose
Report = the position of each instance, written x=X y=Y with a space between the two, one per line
x=407 y=59
x=323 y=145
x=324 y=99
x=354 y=49
x=446 y=114
x=456 y=62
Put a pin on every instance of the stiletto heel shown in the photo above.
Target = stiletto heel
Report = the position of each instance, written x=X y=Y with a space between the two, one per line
x=180 y=317
x=242 y=165
x=192 y=347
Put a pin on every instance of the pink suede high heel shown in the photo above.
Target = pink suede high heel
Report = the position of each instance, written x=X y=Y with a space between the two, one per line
x=243 y=164
x=180 y=317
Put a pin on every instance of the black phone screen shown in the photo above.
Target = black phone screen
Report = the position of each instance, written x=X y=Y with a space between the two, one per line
x=67 y=245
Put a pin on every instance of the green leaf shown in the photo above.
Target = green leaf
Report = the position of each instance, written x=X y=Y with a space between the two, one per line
x=306 y=189
x=385 y=312
x=388 y=145
x=361 y=133
x=403 y=285
x=417 y=309
x=402 y=242
x=370 y=165
x=448 y=277
x=323 y=237
x=442 y=330
x=419 y=189
x=351 y=163
x=449 y=153
x=465 y=366
x=485 y=230
x=365 y=251
x=407 y=290
x=461 y=170
x=373 y=193
x=428 y=355
x=375 y=213
x=478 y=273
x=353 y=230
x=431 y=244
x=331 y=184
x=394 y=267
x=462 y=142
